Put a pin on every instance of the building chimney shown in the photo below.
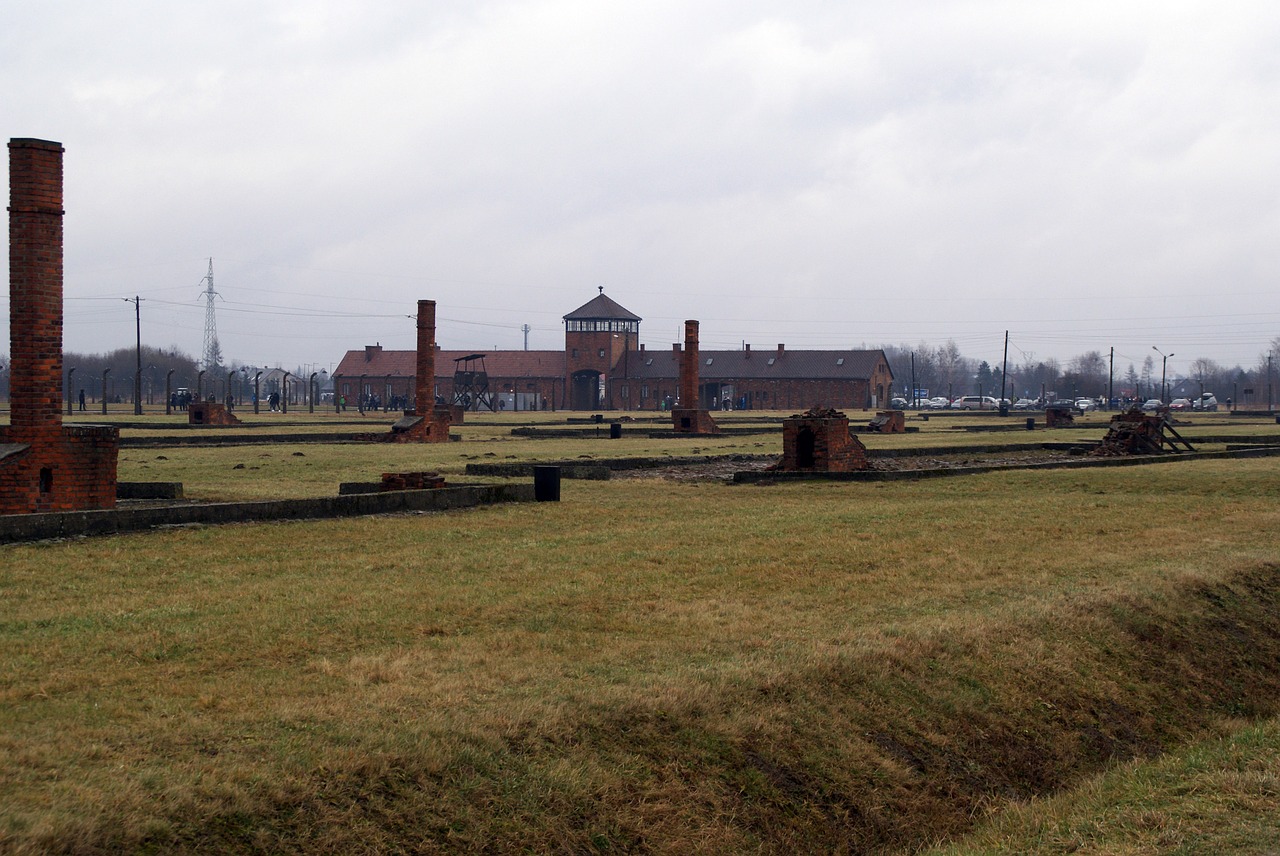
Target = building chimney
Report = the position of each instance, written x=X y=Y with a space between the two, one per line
x=689 y=366
x=642 y=347
x=370 y=351
x=425 y=388
x=675 y=347
x=747 y=348
x=781 y=349
x=35 y=288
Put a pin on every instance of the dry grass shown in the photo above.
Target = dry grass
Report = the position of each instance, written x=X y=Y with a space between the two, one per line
x=642 y=666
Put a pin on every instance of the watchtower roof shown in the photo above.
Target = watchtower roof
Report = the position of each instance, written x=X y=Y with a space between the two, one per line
x=601 y=308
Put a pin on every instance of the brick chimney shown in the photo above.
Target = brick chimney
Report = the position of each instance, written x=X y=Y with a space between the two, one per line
x=689 y=366
x=35 y=288
x=781 y=349
x=747 y=348
x=425 y=382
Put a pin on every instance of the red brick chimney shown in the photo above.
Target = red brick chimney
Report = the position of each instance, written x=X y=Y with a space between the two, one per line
x=781 y=349
x=425 y=384
x=35 y=288
x=689 y=366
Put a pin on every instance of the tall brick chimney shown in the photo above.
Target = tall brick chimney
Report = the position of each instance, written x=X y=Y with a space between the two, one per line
x=689 y=417
x=44 y=465
x=425 y=385
x=689 y=367
x=35 y=287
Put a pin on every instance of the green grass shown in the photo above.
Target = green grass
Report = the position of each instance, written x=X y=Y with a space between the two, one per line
x=643 y=666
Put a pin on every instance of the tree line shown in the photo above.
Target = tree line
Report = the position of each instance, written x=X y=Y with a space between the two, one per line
x=944 y=371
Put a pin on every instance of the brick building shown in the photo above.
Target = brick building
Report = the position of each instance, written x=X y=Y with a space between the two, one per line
x=604 y=367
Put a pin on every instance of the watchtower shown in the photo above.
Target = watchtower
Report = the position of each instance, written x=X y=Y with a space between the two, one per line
x=599 y=338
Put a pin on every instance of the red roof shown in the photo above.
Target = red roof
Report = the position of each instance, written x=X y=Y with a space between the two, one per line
x=373 y=361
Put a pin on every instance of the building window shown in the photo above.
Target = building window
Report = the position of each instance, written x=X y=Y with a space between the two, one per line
x=625 y=391
x=644 y=392
x=600 y=353
x=575 y=353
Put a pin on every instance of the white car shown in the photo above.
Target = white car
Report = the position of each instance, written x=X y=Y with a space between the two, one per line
x=939 y=402
x=1083 y=404
x=974 y=402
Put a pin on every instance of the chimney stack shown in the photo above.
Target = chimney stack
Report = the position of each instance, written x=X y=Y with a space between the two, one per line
x=425 y=383
x=35 y=287
x=689 y=366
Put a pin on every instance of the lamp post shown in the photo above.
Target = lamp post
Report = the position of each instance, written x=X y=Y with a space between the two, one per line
x=284 y=393
x=105 y=372
x=70 y=388
x=256 y=396
x=168 y=391
x=311 y=393
x=1164 y=365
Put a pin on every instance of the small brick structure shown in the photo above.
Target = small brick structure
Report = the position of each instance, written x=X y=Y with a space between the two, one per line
x=1059 y=416
x=819 y=441
x=44 y=465
x=427 y=423
x=889 y=422
x=411 y=481
x=689 y=418
x=210 y=413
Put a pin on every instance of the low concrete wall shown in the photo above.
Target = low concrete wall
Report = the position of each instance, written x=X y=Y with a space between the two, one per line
x=753 y=477
x=70 y=524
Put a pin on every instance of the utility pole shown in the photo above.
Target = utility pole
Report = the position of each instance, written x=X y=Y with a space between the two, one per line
x=1004 y=372
x=1111 y=379
x=137 y=372
x=525 y=329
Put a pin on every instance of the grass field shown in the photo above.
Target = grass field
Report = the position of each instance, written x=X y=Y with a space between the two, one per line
x=1083 y=660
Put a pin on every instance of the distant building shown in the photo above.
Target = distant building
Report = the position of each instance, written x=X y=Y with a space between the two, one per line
x=604 y=367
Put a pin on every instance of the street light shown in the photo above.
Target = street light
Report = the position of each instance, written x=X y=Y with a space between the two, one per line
x=1164 y=364
x=256 y=390
x=70 y=387
x=105 y=372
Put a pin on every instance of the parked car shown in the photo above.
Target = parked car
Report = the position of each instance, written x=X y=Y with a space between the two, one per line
x=1208 y=401
x=939 y=402
x=1026 y=404
x=1151 y=405
x=974 y=402
x=1083 y=404
x=898 y=403
x=1180 y=404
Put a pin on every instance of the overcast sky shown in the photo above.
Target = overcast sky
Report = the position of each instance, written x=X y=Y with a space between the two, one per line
x=1086 y=175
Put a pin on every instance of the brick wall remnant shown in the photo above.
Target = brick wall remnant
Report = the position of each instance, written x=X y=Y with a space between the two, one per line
x=819 y=441
x=889 y=422
x=1059 y=416
x=210 y=413
x=690 y=417
x=44 y=466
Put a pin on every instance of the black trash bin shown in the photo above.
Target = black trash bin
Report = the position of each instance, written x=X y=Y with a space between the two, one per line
x=1004 y=410
x=546 y=484
x=1031 y=423
x=615 y=430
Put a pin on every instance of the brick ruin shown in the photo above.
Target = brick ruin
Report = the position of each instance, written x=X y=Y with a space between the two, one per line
x=427 y=423
x=1059 y=416
x=689 y=418
x=889 y=422
x=819 y=441
x=210 y=413
x=1136 y=433
x=44 y=465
